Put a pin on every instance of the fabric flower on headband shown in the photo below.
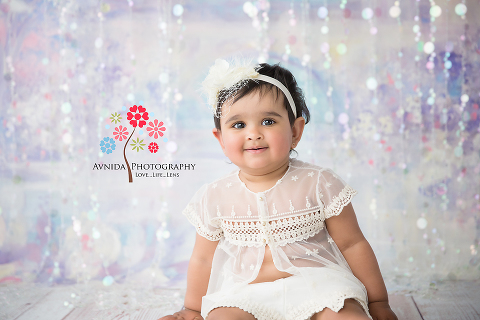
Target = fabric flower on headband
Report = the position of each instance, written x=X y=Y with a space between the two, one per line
x=224 y=75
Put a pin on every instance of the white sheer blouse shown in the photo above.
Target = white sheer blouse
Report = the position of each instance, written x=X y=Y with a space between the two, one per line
x=289 y=218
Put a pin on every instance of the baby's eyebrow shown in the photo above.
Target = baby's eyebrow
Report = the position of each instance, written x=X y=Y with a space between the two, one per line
x=235 y=117
x=272 y=113
x=267 y=113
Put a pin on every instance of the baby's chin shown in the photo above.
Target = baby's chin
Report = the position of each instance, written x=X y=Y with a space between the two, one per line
x=260 y=168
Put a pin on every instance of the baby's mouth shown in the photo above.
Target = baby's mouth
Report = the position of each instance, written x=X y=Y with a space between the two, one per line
x=256 y=149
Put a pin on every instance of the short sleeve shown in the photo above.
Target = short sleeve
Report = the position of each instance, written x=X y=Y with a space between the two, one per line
x=333 y=192
x=198 y=215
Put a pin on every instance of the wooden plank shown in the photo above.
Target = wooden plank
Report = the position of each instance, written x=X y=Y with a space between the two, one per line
x=404 y=307
x=148 y=314
x=50 y=307
x=91 y=312
x=459 y=300
x=168 y=301
x=18 y=298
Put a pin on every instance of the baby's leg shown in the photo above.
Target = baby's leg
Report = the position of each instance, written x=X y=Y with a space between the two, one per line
x=351 y=310
x=228 y=313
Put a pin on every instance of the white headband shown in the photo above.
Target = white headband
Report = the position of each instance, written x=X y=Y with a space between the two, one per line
x=281 y=87
x=222 y=76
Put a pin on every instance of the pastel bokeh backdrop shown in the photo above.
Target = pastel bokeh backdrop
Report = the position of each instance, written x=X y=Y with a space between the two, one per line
x=393 y=88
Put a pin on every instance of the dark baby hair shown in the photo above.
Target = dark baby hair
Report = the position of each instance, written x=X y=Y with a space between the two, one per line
x=282 y=75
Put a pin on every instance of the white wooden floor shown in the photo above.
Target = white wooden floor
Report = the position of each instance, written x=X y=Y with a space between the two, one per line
x=451 y=300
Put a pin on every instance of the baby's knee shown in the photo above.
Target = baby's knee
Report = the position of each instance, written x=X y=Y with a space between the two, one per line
x=338 y=316
x=351 y=310
x=356 y=317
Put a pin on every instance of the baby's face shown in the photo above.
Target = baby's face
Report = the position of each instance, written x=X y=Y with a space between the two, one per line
x=255 y=133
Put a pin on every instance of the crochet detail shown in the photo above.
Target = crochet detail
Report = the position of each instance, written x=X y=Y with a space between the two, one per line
x=335 y=302
x=276 y=232
x=339 y=202
x=259 y=311
x=192 y=216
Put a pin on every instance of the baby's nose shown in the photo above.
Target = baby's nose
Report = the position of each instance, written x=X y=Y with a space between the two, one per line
x=254 y=134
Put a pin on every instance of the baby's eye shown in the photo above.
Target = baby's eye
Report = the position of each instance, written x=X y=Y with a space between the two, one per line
x=238 y=125
x=268 y=122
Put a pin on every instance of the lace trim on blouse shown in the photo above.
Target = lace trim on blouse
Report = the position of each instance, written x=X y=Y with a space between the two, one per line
x=281 y=232
x=340 y=201
x=192 y=216
x=276 y=232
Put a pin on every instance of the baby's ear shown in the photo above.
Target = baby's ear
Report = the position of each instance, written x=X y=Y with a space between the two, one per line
x=297 y=129
x=218 y=134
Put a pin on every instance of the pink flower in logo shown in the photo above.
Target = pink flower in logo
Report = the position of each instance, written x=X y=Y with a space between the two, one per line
x=137 y=116
x=156 y=129
x=120 y=133
x=153 y=147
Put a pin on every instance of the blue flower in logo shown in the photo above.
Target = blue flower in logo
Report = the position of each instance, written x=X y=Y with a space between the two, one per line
x=107 y=145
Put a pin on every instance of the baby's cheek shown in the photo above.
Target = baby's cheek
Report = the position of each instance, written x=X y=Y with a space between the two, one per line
x=234 y=143
x=283 y=144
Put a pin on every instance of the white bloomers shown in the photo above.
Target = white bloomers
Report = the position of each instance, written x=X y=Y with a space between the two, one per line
x=291 y=298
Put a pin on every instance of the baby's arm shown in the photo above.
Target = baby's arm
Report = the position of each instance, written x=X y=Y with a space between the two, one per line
x=198 y=276
x=357 y=251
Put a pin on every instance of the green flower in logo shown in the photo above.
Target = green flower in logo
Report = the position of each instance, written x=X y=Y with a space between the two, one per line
x=116 y=117
x=137 y=144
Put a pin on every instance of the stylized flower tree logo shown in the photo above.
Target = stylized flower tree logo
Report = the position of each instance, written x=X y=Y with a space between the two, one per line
x=137 y=116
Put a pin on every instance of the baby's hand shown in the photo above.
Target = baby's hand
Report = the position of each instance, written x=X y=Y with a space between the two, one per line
x=381 y=311
x=183 y=315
